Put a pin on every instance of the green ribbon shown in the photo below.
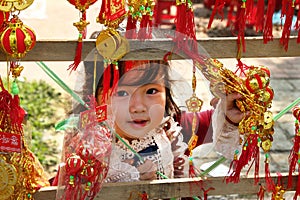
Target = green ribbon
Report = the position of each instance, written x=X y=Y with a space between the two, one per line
x=64 y=86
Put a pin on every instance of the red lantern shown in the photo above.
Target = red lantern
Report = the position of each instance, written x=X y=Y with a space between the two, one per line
x=74 y=164
x=17 y=39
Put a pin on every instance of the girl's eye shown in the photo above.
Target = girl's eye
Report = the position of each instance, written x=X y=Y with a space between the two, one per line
x=152 y=91
x=121 y=93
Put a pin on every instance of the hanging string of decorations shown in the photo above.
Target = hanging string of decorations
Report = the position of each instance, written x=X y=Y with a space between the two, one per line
x=82 y=6
x=19 y=167
x=260 y=16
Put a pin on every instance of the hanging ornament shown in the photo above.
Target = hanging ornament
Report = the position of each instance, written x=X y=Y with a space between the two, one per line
x=20 y=170
x=294 y=157
x=86 y=157
x=110 y=44
x=139 y=22
x=17 y=39
x=185 y=36
x=256 y=128
x=82 y=6
x=287 y=11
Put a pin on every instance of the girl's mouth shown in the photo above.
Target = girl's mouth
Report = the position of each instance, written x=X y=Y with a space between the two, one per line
x=139 y=123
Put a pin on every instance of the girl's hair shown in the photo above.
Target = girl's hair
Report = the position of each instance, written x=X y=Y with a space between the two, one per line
x=151 y=69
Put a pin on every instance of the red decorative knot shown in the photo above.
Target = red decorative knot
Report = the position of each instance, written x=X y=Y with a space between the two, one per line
x=296 y=112
x=17 y=39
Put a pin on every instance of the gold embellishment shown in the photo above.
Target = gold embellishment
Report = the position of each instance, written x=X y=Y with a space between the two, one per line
x=8 y=179
x=13 y=5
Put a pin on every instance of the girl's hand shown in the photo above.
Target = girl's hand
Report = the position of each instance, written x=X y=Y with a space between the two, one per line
x=179 y=163
x=232 y=112
x=147 y=170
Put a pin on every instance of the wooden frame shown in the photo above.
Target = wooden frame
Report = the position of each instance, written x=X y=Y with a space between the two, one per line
x=64 y=50
x=59 y=50
x=168 y=188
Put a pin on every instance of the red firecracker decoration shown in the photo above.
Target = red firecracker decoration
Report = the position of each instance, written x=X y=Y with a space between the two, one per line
x=17 y=39
x=82 y=6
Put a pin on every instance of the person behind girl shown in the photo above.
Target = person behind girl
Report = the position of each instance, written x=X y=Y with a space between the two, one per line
x=143 y=113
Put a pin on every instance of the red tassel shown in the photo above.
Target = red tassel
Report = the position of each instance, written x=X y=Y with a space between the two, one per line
x=260 y=13
x=193 y=171
x=218 y=8
x=131 y=28
x=284 y=7
x=116 y=76
x=297 y=26
x=230 y=17
x=284 y=40
x=77 y=58
x=293 y=158
x=297 y=192
x=261 y=193
x=249 y=152
x=294 y=153
x=268 y=28
x=106 y=82
x=240 y=26
x=145 y=31
x=185 y=29
x=82 y=35
x=270 y=186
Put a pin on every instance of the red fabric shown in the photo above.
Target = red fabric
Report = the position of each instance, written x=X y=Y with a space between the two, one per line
x=203 y=126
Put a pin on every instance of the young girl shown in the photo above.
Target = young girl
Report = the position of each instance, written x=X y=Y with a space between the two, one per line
x=144 y=114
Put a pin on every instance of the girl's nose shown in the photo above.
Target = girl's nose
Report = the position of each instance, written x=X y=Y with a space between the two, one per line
x=137 y=103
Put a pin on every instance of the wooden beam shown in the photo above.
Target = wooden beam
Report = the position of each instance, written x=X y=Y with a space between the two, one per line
x=168 y=188
x=64 y=50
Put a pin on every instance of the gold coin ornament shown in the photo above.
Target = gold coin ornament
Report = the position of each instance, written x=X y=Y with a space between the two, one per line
x=111 y=45
x=8 y=179
x=256 y=128
x=14 y=5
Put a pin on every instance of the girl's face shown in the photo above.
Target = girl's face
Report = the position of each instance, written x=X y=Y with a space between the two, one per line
x=138 y=109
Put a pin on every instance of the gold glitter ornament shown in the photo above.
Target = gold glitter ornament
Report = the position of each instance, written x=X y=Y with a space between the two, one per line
x=256 y=128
